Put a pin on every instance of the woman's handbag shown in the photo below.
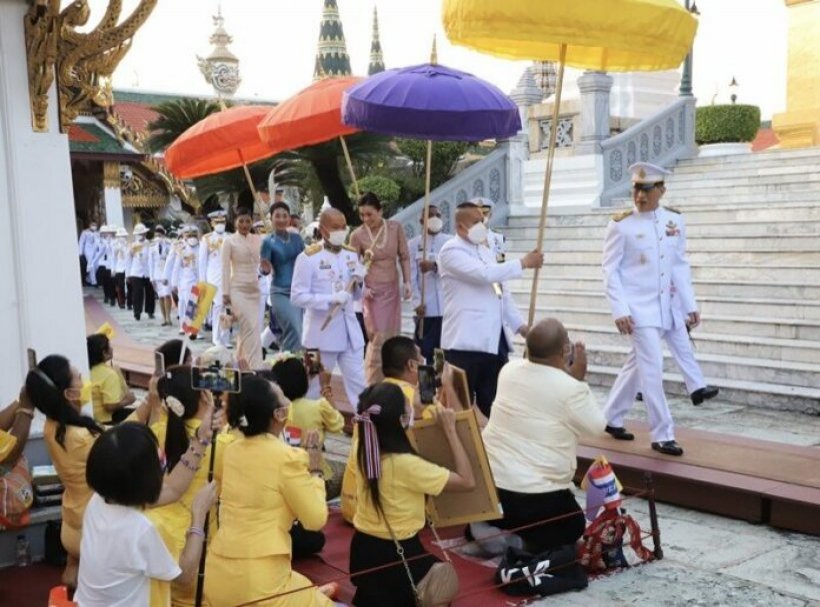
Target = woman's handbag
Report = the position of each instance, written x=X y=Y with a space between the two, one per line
x=16 y=494
x=440 y=585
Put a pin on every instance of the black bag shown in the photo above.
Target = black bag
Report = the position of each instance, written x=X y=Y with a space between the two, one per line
x=550 y=572
x=54 y=553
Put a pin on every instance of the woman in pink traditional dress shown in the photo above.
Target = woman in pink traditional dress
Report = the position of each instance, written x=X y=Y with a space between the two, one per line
x=383 y=247
x=240 y=266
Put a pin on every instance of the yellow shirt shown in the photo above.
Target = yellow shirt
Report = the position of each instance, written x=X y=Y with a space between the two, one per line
x=406 y=480
x=70 y=466
x=111 y=387
x=308 y=414
x=266 y=486
x=7 y=442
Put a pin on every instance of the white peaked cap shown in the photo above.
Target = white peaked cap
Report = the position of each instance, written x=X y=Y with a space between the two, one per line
x=646 y=172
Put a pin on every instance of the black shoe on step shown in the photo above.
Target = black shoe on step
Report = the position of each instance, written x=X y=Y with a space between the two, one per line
x=619 y=433
x=669 y=447
x=702 y=394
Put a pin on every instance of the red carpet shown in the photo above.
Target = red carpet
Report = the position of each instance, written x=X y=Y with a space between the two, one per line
x=476 y=580
x=28 y=586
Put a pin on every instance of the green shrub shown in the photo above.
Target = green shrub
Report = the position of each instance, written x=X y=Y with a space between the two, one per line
x=385 y=188
x=726 y=123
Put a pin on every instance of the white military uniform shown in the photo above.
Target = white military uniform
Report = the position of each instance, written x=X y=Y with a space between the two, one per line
x=185 y=275
x=88 y=243
x=680 y=346
x=158 y=255
x=136 y=262
x=644 y=260
x=103 y=258
x=497 y=243
x=433 y=296
x=210 y=271
x=477 y=304
x=317 y=275
x=120 y=252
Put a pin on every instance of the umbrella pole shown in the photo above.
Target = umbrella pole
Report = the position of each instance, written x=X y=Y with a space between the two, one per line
x=542 y=224
x=425 y=218
x=248 y=177
x=350 y=167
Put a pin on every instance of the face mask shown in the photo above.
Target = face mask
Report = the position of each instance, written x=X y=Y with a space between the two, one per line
x=435 y=224
x=192 y=241
x=477 y=234
x=92 y=228
x=219 y=228
x=140 y=238
x=337 y=237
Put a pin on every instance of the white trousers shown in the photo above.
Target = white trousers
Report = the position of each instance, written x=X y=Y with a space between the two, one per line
x=184 y=293
x=642 y=372
x=351 y=364
x=219 y=336
x=680 y=346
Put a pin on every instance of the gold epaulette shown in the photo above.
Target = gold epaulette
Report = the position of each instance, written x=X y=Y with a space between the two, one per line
x=621 y=215
x=313 y=249
x=673 y=210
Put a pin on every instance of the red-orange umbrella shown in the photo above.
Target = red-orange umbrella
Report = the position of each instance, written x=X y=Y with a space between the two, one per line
x=224 y=140
x=311 y=116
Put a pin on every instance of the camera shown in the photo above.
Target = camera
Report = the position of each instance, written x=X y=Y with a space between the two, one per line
x=428 y=382
x=313 y=361
x=216 y=378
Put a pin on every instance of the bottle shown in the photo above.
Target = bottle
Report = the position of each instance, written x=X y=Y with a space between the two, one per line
x=23 y=552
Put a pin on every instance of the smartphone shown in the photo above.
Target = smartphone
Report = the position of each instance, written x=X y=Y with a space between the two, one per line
x=438 y=361
x=32 y=358
x=313 y=361
x=159 y=364
x=216 y=379
x=427 y=384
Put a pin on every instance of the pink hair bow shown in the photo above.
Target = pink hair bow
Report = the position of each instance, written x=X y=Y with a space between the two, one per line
x=372 y=456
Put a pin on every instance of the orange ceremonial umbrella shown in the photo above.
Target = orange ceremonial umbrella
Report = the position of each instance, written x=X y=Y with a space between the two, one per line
x=311 y=116
x=224 y=140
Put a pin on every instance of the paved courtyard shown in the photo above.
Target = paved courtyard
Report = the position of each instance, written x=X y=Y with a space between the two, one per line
x=708 y=560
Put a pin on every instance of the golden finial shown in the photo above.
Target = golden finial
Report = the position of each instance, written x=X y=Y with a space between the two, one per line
x=433 y=52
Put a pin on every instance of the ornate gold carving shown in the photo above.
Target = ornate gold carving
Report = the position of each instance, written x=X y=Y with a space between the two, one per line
x=84 y=61
x=140 y=191
x=111 y=174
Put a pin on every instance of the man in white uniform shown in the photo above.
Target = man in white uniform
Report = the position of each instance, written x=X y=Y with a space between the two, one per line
x=104 y=262
x=321 y=276
x=210 y=271
x=138 y=273
x=644 y=261
x=89 y=238
x=433 y=305
x=157 y=258
x=184 y=272
x=480 y=315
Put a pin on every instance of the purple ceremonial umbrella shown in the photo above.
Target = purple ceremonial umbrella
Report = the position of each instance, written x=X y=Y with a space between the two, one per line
x=433 y=102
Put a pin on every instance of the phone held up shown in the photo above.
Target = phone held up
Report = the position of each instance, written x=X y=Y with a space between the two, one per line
x=427 y=384
x=313 y=361
x=31 y=355
x=216 y=379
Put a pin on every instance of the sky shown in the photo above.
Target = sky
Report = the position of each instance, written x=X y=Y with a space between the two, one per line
x=275 y=41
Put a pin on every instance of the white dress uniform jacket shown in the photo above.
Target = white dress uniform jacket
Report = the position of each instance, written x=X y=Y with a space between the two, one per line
x=477 y=304
x=433 y=297
x=137 y=264
x=120 y=249
x=103 y=258
x=644 y=257
x=317 y=275
x=88 y=243
x=498 y=245
x=210 y=260
x=157 y=258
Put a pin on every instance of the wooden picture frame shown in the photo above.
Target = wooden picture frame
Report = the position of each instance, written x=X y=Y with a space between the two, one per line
x=455 y=388
x=458 y=508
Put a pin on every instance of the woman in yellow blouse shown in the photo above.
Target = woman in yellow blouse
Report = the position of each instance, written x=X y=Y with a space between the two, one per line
x=112 y=393
x=185 y=410
x=266 y=486
x=392 y=484
x=57 y=390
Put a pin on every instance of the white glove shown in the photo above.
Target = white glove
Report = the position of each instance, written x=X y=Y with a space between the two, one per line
x=359 y=273
x=340 y=297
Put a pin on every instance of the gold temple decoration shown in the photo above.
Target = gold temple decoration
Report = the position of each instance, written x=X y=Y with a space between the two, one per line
x=84 y=61
x=140 y=191
x=111 y=174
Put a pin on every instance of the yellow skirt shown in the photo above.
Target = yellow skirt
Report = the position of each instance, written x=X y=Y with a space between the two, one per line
x=231 y=582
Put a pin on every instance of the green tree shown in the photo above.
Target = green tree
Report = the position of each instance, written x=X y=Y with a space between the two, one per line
x=385 y=188
x=176 y=117
x=445 y=157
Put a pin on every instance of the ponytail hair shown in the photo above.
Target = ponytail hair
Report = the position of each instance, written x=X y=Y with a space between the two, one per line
x=46 y=385
x=252 y=409
x=176 y=384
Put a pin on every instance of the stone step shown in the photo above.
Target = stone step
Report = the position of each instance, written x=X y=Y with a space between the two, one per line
x=793 y=309
x=704 y=288
x=753 y=393
x=791 y=274
x=720 y=172
x=763 y=245
x=744 y=229
x=763 y=158
x=705 y=211
x=752 y=258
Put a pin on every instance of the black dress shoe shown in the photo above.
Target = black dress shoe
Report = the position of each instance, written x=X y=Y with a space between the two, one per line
x=702 y=394
x=619 y=433
x=669 y=447
x=639 y=396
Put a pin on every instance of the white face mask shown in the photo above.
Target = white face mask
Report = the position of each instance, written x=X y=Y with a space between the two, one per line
x=192 y=241
x=337 y=237
x=477 y=234
x=140 y=237
x=435 y=224
x=219 y=228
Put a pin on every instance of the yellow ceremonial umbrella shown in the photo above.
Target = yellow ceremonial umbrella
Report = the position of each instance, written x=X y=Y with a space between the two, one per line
x=607 y=35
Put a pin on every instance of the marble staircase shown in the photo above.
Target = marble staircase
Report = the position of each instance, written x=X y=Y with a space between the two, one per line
x=753 y=224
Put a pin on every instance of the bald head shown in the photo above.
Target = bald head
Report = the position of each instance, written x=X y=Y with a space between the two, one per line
x=546 y=339
x=332 y=219
x=467 y=215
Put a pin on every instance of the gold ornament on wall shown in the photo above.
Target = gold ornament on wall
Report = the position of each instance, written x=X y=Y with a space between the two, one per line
x=84 y=61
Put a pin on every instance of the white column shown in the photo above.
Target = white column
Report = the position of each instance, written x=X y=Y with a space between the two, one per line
x=112 y=195
x=40 y=299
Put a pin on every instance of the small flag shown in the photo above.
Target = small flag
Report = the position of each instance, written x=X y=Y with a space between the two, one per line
x=202 y=296
x=602 y=487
